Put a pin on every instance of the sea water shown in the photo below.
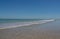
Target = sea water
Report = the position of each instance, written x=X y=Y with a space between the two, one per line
x=13 y=23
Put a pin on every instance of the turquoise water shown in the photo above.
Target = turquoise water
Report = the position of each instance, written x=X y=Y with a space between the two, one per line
x=12 y=23
x=16 y=20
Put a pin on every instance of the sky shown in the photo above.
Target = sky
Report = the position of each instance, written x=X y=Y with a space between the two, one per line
x=29 y=9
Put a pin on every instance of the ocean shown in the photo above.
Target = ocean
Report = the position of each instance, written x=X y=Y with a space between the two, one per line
x=13 y=23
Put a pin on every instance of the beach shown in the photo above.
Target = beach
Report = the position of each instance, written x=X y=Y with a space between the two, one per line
x=29 y=19
x=49 y=30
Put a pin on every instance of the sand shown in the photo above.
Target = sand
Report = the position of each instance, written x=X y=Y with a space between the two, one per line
x=44 y=31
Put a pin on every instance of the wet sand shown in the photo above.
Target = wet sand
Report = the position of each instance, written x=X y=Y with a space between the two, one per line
x=44 y=31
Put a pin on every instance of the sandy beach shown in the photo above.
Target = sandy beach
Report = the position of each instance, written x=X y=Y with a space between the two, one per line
x=44 y=31
x=29 y=19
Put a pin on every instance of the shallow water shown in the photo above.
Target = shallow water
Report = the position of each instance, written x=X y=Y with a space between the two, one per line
x=13 y=23
x=44 y=31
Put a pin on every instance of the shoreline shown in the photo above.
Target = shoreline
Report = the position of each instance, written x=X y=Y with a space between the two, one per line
x=44 y=31
x=32 y=23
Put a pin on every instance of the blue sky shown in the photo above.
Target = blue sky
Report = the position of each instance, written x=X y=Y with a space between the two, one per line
x=29 y=9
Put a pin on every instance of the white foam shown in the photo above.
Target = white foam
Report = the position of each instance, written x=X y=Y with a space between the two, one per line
x=25 y=24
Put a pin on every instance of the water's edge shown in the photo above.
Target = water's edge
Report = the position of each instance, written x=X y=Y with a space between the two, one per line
x=27 y=24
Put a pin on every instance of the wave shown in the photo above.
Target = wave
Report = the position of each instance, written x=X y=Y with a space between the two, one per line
x=14 y=25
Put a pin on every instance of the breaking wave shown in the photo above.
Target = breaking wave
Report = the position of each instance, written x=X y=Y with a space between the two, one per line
x=19 y=24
